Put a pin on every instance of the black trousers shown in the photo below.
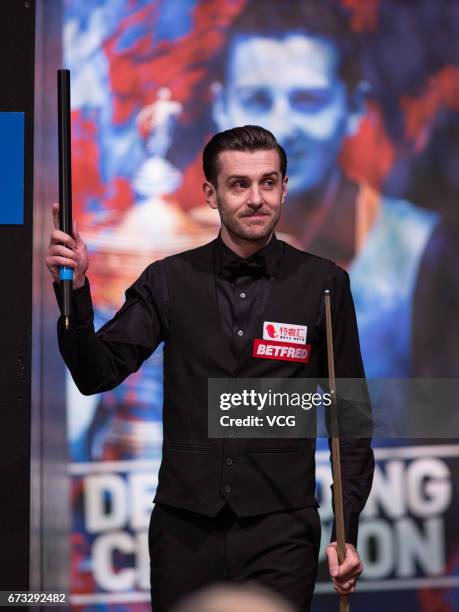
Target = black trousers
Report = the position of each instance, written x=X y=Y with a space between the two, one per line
x=189 y=551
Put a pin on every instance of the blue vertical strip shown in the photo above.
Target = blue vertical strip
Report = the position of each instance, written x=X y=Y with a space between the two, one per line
x=11 y=168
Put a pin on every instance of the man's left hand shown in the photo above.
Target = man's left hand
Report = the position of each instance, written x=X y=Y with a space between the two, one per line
x=344 y=576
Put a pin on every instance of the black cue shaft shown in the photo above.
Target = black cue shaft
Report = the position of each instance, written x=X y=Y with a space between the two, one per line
x=65 y=183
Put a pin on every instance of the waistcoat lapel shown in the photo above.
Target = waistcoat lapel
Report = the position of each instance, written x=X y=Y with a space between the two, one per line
x=206 y=285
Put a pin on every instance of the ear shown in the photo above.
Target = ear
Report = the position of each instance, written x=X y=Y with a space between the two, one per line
x=357 y=107
x=210 y=194
x=284 y=189
x=218 y=107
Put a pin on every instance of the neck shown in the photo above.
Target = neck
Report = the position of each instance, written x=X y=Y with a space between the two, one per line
x=242 y=247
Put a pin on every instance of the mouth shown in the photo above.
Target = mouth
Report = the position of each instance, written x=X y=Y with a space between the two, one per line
x=255 y=216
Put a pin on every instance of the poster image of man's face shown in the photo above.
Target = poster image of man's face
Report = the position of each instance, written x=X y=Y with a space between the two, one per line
x=290 y=85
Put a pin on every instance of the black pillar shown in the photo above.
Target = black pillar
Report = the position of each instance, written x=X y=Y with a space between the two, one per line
x=16 y=96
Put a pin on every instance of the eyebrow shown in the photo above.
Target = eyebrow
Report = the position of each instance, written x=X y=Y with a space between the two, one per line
x=232 y=177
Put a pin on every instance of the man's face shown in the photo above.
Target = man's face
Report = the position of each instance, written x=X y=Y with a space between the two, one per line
x=290 y=86
x=249 y=193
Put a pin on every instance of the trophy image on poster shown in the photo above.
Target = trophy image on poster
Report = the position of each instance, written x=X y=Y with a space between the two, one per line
x=155 y=225
x=158 y=120
x=127 y=420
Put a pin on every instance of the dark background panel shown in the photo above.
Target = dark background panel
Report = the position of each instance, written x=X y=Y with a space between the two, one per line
x=16 y=94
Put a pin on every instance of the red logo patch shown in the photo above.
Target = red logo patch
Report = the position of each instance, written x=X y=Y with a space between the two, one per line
x=271 y=330
x=286 y=351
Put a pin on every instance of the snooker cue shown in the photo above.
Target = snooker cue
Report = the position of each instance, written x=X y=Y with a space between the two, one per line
x=65 y=185
x=337 y=484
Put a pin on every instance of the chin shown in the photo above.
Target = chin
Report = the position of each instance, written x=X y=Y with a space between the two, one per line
x=256 y=233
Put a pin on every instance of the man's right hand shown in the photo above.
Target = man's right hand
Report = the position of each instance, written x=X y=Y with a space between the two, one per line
x=65 y=250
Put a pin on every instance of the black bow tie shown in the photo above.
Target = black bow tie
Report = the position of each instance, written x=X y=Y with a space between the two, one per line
x=255 y=265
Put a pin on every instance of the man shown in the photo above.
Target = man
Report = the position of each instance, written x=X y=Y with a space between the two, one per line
x=293 y=67
x=234 y=598
x=235 y=509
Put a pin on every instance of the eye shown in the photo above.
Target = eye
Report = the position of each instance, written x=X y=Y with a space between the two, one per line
x=269 y=182
x=238 y=185
x=256 y=100
x=310 y=100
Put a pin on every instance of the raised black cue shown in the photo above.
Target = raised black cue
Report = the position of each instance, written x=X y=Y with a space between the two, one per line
x=65 y=185
x=336 y=459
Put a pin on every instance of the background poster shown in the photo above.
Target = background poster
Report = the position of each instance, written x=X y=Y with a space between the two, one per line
x=368 y=111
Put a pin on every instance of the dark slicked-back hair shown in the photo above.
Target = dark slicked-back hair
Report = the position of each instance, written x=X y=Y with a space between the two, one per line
x=325 y=19
x=246 y=138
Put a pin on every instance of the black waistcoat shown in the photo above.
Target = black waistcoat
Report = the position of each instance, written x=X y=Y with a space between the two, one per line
x=253 y=475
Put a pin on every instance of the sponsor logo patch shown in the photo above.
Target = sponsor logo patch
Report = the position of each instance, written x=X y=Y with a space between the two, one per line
x=272 y=349
x=284 y=332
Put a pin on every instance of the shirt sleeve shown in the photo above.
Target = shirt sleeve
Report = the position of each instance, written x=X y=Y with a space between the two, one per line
x=99 y=361
x=355 y=422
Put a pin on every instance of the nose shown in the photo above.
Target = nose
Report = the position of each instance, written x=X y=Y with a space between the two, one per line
x=255 y=197
x=280 y=117
x=283 y=120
